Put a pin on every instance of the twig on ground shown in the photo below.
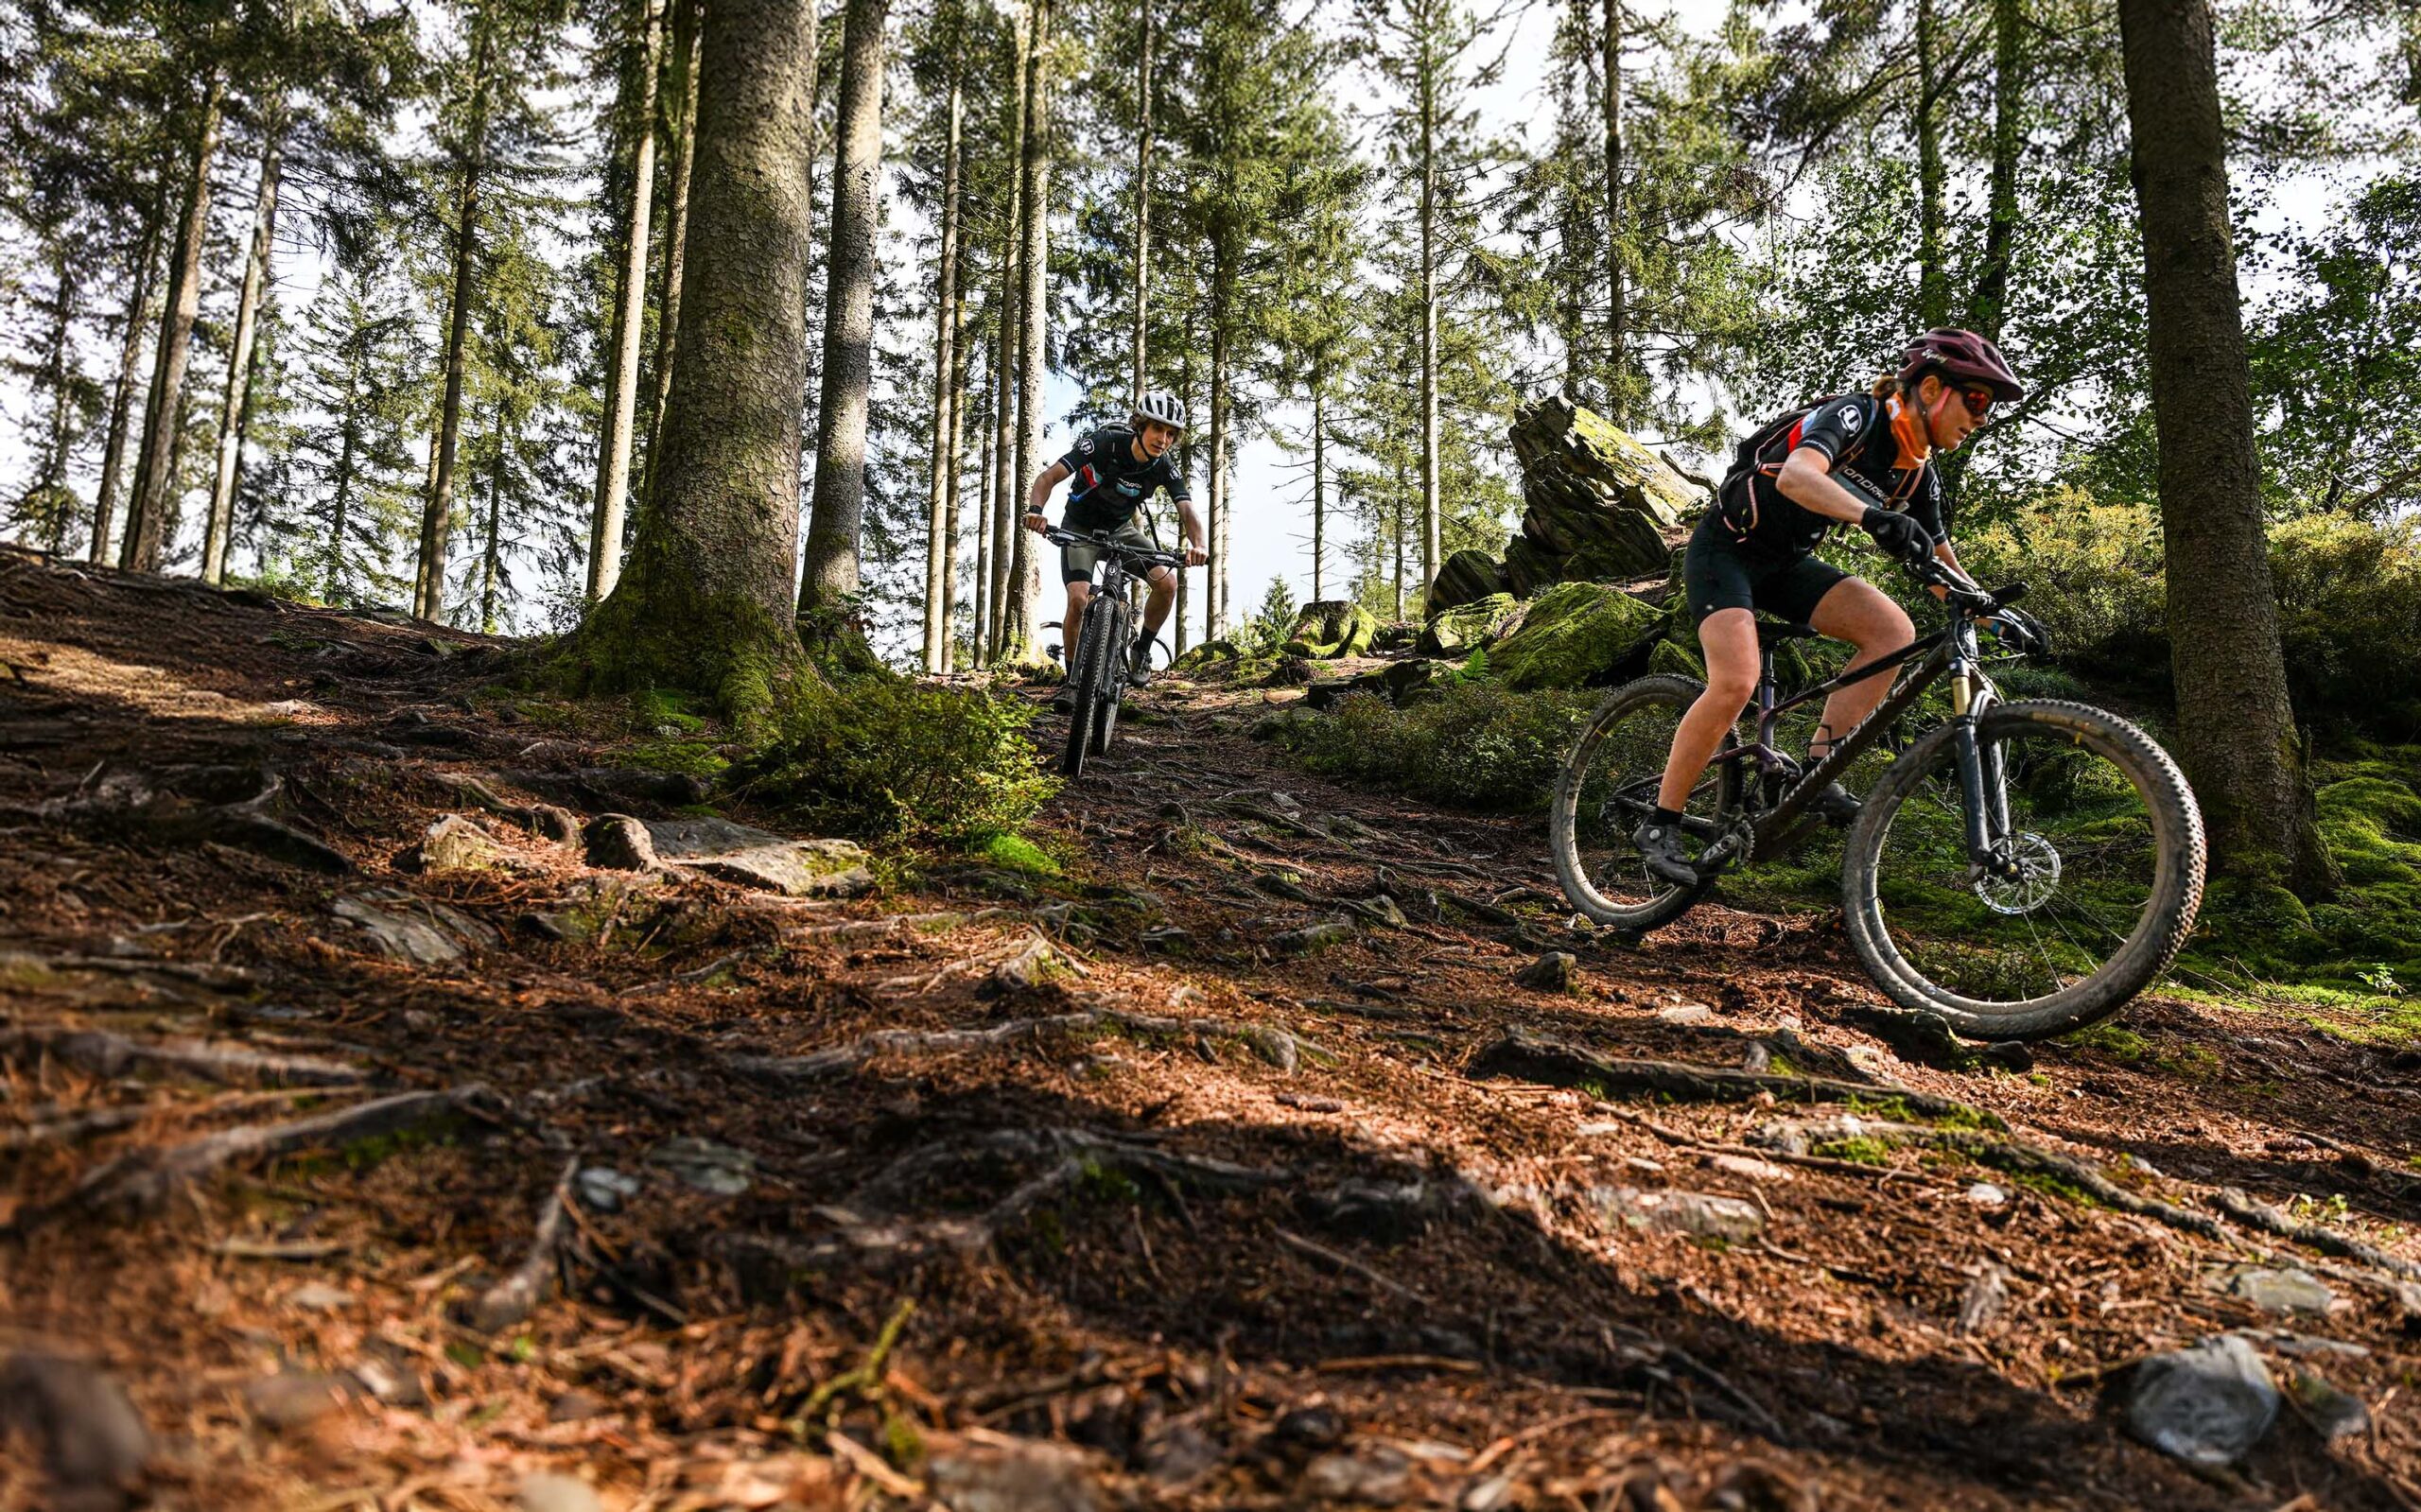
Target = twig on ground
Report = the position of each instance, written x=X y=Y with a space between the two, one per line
x=513 y=1299
x=867 y=1375
x=712 y=969
x=1344 y=1262
x=1356 y=1364
x=97 y=1053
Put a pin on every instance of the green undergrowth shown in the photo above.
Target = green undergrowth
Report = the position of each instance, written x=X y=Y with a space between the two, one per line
x=1476 y=745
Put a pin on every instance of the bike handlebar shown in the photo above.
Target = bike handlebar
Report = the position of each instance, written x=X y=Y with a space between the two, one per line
x=1104 y=540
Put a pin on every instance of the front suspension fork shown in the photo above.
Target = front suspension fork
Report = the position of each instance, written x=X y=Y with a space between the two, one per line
x=1982 y=777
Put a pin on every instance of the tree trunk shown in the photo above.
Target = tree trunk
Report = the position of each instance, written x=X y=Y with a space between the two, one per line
x=1617 y=290
x=682 y=86
x=48 y=500
x=2236 y=733
x=1320 y=481
x=1399 y=541
x=940 y=553
x=491 y=559
x=1143 y=254
x=341 y=511
x=1021 y=613
x=630 y=313
x=1185 y=580
x=155 y=466
x=129 y=364
x=1429 y=486
x=1933 y=279
x=239 y=365
x=829 y=588
x=978 y=630
x=706 y=601
x=1215 y=610
x=1007 y=506
x=437 y=517
x=954 y=472
x=1989 y=306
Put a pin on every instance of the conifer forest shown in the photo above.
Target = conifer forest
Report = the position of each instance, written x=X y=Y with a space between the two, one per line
x=606 y=905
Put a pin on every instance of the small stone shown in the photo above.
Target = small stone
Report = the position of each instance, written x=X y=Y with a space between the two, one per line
x=618 y=843
x=1689 y=1013
x=575 y=1406
x=1555 y=971
x=1380 y=1475
x=2008 y=1055
x=602 y=1189
x=1317 y=1426
x=292 y=1399
x=1697 y=1215
x=2207 y=1404
x=1317 y=936
x=1037 y=964
x=545 y=1492
x=2332 y=1414
x=390 y=1376
x=1167 y=939
x=1178 y=1453
x=1986 y=1295
x=1493 y=1494
x=1749 y=1167
x=399 y=935
x=2283 y=1291
x=92 y=1441
x=704 y=1166
x=455 y=843
x=1382 y=910
x=319 y=1296
x=1984 y=1194
x=1017 y=1475
x=760 y=859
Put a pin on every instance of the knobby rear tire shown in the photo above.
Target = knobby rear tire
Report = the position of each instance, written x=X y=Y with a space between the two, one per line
x=1659 y=696
x=2174 y=898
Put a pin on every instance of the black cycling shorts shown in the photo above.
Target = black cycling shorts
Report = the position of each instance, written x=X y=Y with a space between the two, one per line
x=1076 y=562
x=1721 y=572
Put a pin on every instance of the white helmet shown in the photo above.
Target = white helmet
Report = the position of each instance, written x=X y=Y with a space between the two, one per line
x=1167 y=408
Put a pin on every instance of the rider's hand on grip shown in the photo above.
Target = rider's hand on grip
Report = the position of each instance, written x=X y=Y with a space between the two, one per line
x=2019 y=631
x=1897 y=534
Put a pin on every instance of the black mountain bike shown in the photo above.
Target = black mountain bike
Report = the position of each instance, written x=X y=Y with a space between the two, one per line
x=2018 y=868
x=1097 y=663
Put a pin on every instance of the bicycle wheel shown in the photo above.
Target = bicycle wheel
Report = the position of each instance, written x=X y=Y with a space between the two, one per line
x=1113 y=681
x=2108 y=847
x=1608 y=786
x=1083 y=672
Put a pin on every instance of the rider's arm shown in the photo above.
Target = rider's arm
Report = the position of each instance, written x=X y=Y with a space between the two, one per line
x=1038 y=497
x=1192 y=523
x=1807 y=481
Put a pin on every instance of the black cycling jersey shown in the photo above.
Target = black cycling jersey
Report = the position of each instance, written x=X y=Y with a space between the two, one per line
x=1869 y=452
x=1110 y=485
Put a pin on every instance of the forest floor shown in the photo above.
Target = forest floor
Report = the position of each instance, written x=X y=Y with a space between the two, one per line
x=372 y=1182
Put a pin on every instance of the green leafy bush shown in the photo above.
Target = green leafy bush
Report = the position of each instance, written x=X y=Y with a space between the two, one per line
x=2094 y=575
x=1476 y=745
x=885 y=759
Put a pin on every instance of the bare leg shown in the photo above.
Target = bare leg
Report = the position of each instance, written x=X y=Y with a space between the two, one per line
x=1163 y=595
x=1729 y=636
x=1071 y=624
x=1860 y=613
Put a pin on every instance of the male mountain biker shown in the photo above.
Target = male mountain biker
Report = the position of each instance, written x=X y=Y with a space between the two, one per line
x=1863 y=460
x=1117 y=468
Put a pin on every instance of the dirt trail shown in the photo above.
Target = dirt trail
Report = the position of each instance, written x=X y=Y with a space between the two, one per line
x=1224 y=1172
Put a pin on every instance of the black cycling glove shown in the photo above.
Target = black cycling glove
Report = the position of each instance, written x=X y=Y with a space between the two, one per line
x=2019 y=631
x=1897 y=534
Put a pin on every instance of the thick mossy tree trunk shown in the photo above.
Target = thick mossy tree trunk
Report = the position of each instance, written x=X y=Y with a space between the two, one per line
x=2236 y=729
x=622 y=368
x=681 y=118
x=704 y=603
x=828 y=587
x=155 y=468
x=240 y=366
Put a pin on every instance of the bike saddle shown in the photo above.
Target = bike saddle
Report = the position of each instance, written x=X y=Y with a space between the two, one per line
x=1771 y=632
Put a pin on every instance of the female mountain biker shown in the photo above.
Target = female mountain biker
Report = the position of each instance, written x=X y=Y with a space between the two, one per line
x=1863 y=460
x=1117 y=470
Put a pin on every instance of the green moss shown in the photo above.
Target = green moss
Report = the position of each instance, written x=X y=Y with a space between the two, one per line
x=1016 y=854
x=2051 y=1186
x=1473 y=744
x=1670 y=657
x=2116 y=1043
x=1865 y=1150
x=1573 y=634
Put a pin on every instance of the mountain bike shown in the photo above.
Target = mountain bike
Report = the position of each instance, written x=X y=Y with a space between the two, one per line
x=2020 y=868
x=1097 y=663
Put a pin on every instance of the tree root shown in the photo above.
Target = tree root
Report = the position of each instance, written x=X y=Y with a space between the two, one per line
x=2255 y=1214
x=1274 y=1045
x=141 y=1180
x=513 y=1299
x=106 y=1055
x=2017 y=1156
x=1525 y=1056
x=72 y=1130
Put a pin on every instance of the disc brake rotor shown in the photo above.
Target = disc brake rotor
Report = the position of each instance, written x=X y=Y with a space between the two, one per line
x=2035 y=863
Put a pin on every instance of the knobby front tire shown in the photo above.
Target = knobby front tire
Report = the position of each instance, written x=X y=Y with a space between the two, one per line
x=1084 y=673
x=1110 y=689
x=1608 y=786
x=2110 y=843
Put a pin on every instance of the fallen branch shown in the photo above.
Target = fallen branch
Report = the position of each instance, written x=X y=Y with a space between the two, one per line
x=201 y=973
x=1525 y=1056
x=513 y=1299
x=683 y=978
x=107 y=1055
x=141 y=1180
x=1346 y=1262
x=2255 y=1214
x=71 y=1130
x=1997 y=1150
x=1274 y=1045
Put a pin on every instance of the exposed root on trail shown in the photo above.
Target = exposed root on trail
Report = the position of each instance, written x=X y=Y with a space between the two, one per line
x=1271 y=1044
x=513 y=1299
x=142 y=1180
x=109 y=1056
x=1525 y=1056
x=2255 y=1214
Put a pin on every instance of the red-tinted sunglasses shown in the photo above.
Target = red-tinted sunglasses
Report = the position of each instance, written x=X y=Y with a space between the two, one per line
x=1978 y=401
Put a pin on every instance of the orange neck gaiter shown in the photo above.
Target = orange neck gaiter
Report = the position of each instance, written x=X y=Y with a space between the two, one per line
x=1908 y=430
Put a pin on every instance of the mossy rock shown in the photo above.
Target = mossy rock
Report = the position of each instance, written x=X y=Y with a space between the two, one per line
x=1291 y=671
x=1670 y=657
x=1330 y=628
x=1209 y=656
x=1573 y=635
x=1467 y=577
x=1463 y=627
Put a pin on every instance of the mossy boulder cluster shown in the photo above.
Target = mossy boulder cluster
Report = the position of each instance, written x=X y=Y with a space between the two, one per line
x=1600 y=508
x=1573 y=635
x=1328 y=629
